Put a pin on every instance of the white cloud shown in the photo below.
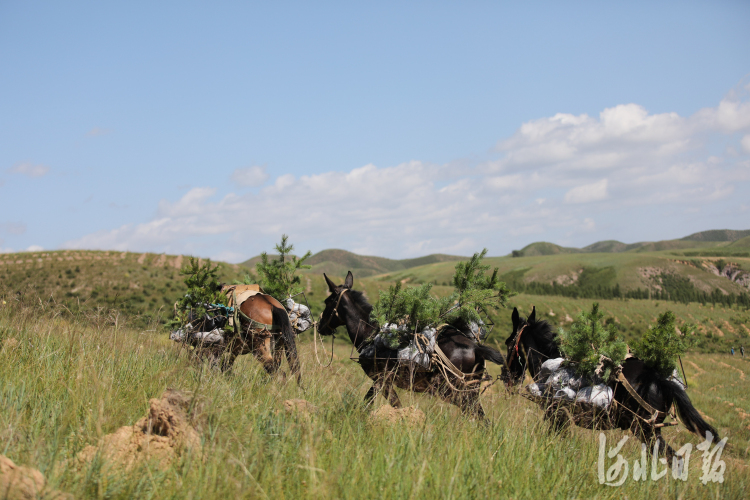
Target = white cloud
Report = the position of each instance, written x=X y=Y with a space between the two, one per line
x=29 y=169
x=34 y=248
x=746 y=143
x=587 y=193
x=543 y=182
x=250 y=176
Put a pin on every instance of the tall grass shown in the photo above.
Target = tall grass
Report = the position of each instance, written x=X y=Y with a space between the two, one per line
x=67 y=381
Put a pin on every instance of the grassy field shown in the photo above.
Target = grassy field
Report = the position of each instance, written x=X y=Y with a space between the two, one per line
x=68 y=380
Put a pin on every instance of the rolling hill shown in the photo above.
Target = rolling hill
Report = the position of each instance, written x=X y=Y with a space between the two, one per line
x=716 y=241
x=337 y=262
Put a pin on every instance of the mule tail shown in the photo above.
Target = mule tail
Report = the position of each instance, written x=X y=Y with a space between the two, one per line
x=280 y=317
x=490 y=354
x=687 y=413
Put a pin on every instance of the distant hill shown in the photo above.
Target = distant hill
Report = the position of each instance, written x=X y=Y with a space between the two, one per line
x=736 y=239
x=611 y=246
x=718 y=235
x=741 y=243
x=338 y=262
x=546 y=248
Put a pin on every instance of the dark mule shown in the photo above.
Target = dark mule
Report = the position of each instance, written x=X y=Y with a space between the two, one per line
x=533 y=342
x=348 y=307
x=265 y=331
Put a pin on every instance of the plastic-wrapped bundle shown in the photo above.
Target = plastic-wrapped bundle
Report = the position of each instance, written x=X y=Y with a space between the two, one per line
x=549 y=367
x=413 y=354
x=598 y=395
x=537 y=389
x=565 y=393
x=478 y=330
x=558 y=376
x=394 y=328
x=559 y=382
x=299 y=316
x=190 y=335
x=421 y=352
x=675 y=377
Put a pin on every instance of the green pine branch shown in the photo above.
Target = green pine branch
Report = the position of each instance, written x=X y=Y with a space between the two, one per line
x=278 y=277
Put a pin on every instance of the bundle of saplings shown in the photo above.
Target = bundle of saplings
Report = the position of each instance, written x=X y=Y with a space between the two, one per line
x=662 y=344
x=278 y=277
x=402 y=311
x=590 y=344
x=594 y=349
x=203 y=294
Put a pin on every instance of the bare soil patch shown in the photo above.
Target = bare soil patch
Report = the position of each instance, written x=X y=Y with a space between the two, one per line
x=24 y=483
x=162 y=436
x=389 y=415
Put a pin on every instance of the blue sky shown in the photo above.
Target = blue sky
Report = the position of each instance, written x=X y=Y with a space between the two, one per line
x=394 y=129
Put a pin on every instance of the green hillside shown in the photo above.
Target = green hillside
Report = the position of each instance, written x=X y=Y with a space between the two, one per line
x=718 y=235
x=607 y=246
x=142 y=285
x=743 y=243
x=546 y=248
x=335 y=261
x=705 y=240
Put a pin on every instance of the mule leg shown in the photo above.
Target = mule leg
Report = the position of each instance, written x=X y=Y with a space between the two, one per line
x=390 y=394
x=470 y=405
x=262 y=352
x=650 y=436
x=559 y=418
x=372 y=392
x=227 y=361
x=292 y=361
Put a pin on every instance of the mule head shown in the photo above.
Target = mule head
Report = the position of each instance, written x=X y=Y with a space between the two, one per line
x=334 y=313
x=513 y=371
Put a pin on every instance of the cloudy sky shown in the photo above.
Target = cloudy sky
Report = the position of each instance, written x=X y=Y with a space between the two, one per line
x=391 y=128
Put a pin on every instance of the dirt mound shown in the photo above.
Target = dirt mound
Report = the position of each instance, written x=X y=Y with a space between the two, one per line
x=390 y=415
x=20 y=483
x=299 y=406
x=162 y=435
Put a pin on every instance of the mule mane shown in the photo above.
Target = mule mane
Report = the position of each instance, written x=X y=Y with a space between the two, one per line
x=359 y=299
x=545 y=337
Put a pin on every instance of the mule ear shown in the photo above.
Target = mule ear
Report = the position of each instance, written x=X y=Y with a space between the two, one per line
x=349 y=281
x=331 y=286
x=514 y=316
x=532 y=316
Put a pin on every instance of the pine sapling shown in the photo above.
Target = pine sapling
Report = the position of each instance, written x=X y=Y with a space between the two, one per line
x=588 y=339
x=203 y=287
x=662 y=344
x=278 y=277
